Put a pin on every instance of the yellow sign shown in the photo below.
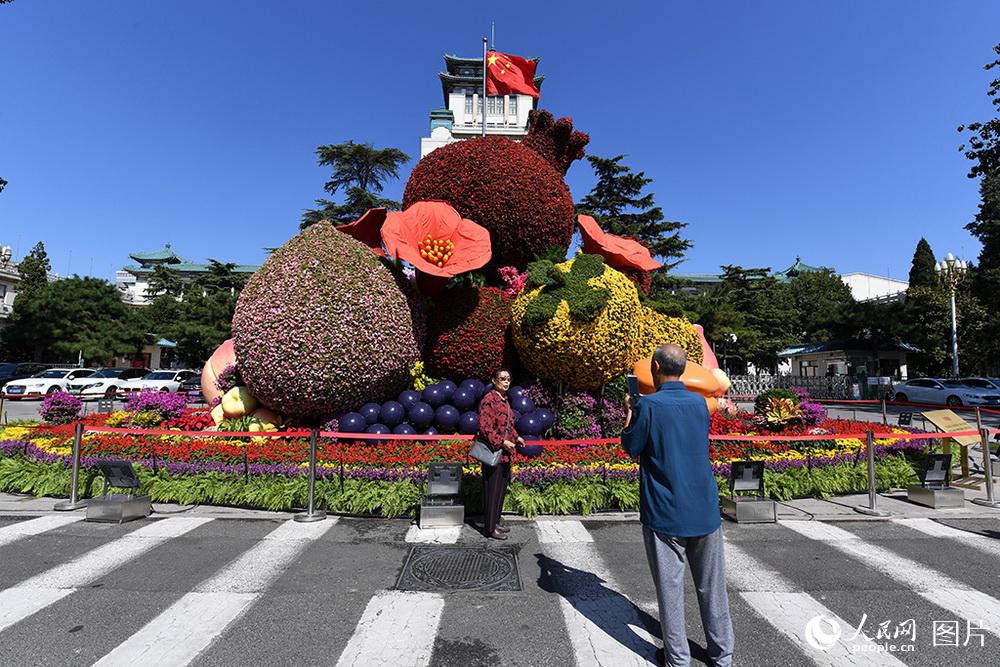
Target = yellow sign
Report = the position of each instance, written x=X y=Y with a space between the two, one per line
x=948 y=422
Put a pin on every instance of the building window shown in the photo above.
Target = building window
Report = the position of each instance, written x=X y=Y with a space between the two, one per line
x=468 y=105
x=494 y=105
x=512 y=105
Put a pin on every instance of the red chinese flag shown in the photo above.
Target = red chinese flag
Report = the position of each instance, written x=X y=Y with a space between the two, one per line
x=509 y=75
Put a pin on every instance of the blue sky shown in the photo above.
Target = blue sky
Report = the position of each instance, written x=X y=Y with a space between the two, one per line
x=775 y=129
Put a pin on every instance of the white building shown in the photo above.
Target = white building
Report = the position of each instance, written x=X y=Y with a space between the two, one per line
x=133 y=281
x=869 y=287
x=461 y=116
x=9 y=278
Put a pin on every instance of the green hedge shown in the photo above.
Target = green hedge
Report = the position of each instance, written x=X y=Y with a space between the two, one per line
x=392 y=499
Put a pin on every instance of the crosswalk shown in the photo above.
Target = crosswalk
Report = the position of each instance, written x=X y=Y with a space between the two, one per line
x=202 y=591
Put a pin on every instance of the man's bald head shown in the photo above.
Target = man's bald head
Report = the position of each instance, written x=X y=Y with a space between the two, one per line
x=669 y=360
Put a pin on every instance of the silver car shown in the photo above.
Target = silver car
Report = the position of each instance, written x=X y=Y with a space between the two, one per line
x=946 y=392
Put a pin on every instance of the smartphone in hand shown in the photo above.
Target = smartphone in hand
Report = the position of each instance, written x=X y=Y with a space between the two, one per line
x=633 y=387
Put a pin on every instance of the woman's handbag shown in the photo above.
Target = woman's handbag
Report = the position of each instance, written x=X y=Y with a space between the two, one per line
x=485 y=455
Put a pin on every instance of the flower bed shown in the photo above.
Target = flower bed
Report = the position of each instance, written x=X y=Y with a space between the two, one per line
x=358 y=476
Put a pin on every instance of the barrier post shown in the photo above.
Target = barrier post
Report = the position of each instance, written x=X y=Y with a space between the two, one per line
x=311 y=514
x=885 y=417
x=871 y=510
x=988 y=501
x=74 y=501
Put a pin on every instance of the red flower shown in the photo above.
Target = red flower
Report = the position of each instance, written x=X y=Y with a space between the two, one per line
x=619 y=252
x=405 y=231
x=368 y=229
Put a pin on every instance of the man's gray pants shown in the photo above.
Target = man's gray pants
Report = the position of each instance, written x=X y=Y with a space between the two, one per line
x=667 y=556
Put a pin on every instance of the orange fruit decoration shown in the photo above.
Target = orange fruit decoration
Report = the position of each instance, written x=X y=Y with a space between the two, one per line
x=696 y=378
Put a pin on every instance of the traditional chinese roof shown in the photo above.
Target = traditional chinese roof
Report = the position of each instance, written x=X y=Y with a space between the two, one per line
x=798 y=268
x=189 y=267
x=164 y=254
x=843 y=345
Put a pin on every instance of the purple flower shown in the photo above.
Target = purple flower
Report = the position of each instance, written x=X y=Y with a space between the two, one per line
x=60 y=407
x=166 y=404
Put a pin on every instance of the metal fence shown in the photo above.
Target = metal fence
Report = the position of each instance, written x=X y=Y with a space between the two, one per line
x=837 y=387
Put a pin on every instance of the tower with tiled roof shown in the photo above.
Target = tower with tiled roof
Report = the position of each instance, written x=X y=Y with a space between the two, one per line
x=461 y=116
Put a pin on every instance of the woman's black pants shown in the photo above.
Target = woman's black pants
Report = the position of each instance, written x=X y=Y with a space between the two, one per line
x=495 y=481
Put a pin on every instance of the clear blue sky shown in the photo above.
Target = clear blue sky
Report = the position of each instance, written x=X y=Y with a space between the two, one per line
x=825 y=129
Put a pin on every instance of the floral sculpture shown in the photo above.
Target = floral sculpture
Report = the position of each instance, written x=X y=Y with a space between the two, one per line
x=324 y=325
x=658 y=329
x=577 y=322
x=368 y=229
x=437 y=241
x=468 y=334
x=624 y=254
x=504 y=186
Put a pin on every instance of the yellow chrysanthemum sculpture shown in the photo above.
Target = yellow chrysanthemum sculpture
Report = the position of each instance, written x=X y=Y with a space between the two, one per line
x=581 y=323
x=658 y=329
x=577 y=322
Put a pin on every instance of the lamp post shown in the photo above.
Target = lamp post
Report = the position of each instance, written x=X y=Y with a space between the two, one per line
x=951 y=271
x=727 y=338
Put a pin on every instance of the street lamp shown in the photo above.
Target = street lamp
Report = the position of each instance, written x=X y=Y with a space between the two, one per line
x=726 y=339
x=951 y=271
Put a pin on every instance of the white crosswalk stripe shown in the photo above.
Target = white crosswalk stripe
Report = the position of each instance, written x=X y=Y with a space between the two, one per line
x=935 y=587
x=42 y=524
x=604 y=626
x=40 y=591
x=934 y=529
x=788 y=610
x=179 y=634
x=397 y=629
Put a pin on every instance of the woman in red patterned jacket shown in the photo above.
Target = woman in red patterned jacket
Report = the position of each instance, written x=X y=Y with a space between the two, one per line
x=496 y=430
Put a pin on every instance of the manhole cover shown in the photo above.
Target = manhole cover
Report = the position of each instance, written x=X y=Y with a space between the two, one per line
x=437 y=568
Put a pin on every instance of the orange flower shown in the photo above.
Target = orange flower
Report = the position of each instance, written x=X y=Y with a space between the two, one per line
x=368 y=229
x=619 y=252
x=436 y=240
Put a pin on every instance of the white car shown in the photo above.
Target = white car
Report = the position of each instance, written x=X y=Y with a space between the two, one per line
x=106 y=382
x=160 y=381
x=46 y=382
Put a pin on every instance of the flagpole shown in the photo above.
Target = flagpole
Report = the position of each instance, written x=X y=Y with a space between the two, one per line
x=483 y=102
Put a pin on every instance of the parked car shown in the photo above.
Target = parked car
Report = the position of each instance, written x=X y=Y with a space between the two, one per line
x=160 y=381
x=989 y=384
x=10 y=370
x=106 y=382
x=946 y=392
x=191 y=387
x=46 y=382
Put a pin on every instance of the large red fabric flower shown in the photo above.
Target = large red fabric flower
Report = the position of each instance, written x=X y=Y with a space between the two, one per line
x=405 y=231
x=618 y=252
x=368 y=229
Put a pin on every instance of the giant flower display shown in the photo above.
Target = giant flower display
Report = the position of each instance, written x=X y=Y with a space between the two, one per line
x=437 y=241
x=325 y=325
x=624 y=254
x=468 y=333
x=577 y=322
x=507 y=188
x=658 y=329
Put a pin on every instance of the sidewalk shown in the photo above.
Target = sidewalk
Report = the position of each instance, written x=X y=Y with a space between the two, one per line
x=839 y=508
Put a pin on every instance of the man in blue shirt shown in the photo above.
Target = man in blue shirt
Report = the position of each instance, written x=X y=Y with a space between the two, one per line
x=679 y=507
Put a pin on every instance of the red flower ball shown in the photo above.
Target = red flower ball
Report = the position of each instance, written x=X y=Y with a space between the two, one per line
x=468 y=334
x=507 y=188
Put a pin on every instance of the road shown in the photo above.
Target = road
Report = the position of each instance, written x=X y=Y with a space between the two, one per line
x=195 y=590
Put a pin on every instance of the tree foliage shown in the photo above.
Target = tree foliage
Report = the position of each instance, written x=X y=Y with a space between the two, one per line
x=360 y=171
x=823 y=305
x=33 y=270
x=618 y=205
x=164 y=281
x=57 y=321
x=922 y=267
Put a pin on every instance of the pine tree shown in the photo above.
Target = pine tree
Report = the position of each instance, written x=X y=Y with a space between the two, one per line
x=618 y=205
x=34 y=271
x=922 y=268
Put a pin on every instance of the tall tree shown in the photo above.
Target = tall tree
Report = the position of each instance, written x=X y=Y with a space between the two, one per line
x=57 y=321
x=617 y=203
x=922 y=267
x=360 y=171
x=764 y=307
x=34 y=271
x=982 y=147
x=822 y=304
x=164 y=281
